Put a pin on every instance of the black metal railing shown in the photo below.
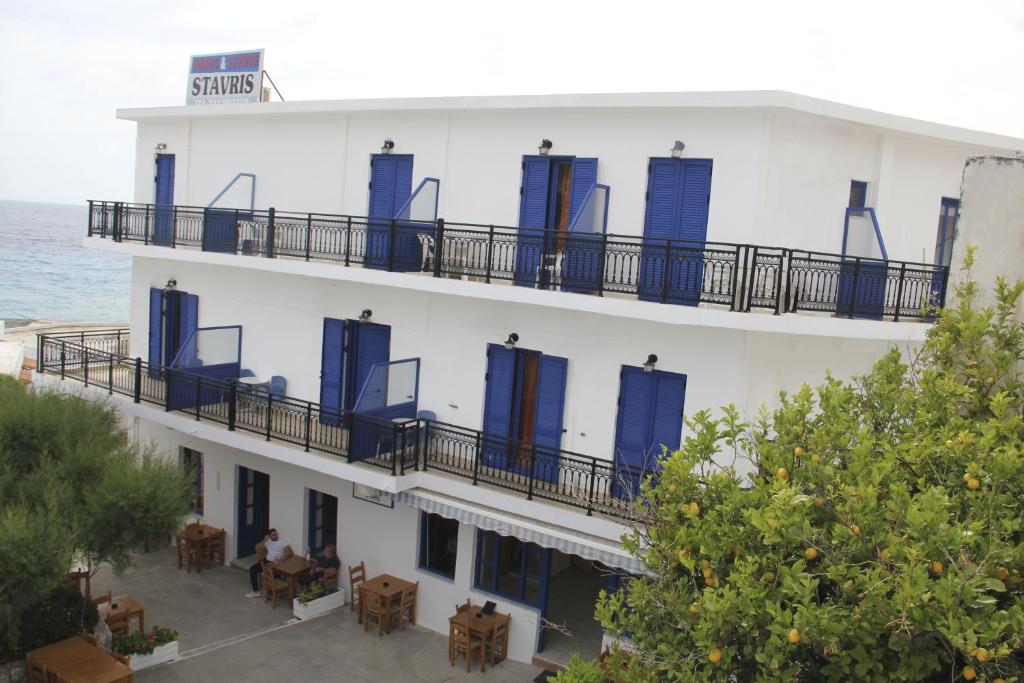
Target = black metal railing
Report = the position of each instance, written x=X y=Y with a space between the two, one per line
x=741 y=277
x=580 y=481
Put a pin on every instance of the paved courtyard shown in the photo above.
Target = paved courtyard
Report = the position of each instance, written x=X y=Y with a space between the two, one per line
x=224 y=636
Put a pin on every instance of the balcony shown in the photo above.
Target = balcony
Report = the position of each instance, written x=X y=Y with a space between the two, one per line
x=739 y=277
x=99 y=360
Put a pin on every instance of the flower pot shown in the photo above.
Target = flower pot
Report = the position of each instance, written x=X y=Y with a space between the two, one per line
x=161 y=654
x=322 y=605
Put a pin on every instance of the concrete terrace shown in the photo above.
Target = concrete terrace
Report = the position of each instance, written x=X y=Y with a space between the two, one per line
x=224 y=636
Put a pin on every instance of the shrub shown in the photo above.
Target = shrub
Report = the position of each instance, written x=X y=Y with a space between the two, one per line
x=579 y=670
x=139 y=643
x=60 y=615
x=865 y=531
x=316 y=589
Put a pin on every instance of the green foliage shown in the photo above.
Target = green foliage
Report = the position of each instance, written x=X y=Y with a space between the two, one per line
x=579 y=670
x=58 y=615
x=70 y=484
x=317 y=589
x=866 y=531
x=139 y=643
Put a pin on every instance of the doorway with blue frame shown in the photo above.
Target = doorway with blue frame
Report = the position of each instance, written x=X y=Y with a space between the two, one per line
x=321 y=521
x=173 y=319
x=349 y=350
x=252 y=496
x=163 y=199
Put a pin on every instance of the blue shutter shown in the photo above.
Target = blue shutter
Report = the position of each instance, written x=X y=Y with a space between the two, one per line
x=550 y=406
x=390 y=188
x=633 y=429
x=584 y=177
x=660 y=221
x=330 y=370
x=187 y=325
x=533 y=216
x=156 y=329
x=686 y=268
x=163 y=197
x=372 y=346
x=500 y=388
x=667 y=417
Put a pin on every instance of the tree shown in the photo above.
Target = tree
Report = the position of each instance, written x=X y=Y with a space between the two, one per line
x=864 y=531
x=71 y=485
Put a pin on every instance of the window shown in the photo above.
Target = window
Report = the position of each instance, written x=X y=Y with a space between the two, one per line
x=858 y=194
x=192 y=461
x=511 y=568
x=439 y=543
x=948 y=214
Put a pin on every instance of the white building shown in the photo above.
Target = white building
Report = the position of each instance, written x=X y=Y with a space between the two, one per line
x=784 y=237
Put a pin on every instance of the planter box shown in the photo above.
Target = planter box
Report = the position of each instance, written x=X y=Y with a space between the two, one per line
x=164 y=653
x=315 y=608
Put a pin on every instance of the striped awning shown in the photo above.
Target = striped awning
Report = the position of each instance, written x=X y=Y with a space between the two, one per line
x=529 y=531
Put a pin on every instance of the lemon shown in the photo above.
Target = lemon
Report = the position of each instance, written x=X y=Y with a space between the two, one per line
x=811 y=554
x=937 y=567
x=715 y=656
x=969 y=673
x=799 y=451
x=974 y=484
x=782 y=473
x=794 y=637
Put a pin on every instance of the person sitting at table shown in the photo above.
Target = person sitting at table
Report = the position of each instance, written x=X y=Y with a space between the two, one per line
x=271 y=549
x=325 y=566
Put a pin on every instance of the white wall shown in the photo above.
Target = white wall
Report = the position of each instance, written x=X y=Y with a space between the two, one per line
x=282 y=320
x=386 y=539
x=781 y=178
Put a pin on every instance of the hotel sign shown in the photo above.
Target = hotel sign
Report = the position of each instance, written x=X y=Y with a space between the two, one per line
x=225 y=78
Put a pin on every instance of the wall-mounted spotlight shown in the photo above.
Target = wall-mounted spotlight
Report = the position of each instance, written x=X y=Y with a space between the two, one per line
x=677 y=149
x=510 y=343
x=171 y=284
x=365 y=315
x=388 y=146
x=545 y=147
x=161 y=146
x=651 y=362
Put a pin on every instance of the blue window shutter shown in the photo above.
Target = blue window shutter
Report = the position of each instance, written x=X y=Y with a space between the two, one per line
x=667 y=418
x=663 y=186
x=498 y=395
x=390 y=184
x=403 y=182
x=693 y=207
x=547 y=436
x=330 y=370
x=187 y=325
x=156 y=326
x=164 y=180
x=584 y=177
x=373 y=345
x=533 y=214
x=633 y=430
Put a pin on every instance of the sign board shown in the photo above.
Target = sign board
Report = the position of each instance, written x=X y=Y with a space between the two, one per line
x=225 y=78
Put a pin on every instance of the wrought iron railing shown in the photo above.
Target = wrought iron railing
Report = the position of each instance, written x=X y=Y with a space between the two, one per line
x=580 y=481
x=741 y=277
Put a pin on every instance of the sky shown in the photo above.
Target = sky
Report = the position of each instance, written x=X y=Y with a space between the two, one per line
x=68 y=65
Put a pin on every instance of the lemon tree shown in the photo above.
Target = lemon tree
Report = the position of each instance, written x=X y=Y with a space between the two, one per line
x=861 y=531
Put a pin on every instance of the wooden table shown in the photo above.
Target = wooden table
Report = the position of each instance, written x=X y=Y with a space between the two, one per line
x=477 y=623
x=389 y=588
x=195 y=535
x=79 y=661
x=291 y=568
x=127 y=607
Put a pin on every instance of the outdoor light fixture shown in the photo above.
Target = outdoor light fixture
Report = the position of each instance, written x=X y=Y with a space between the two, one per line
x=171 y=284
x=649 y=365
x=510 y=343
x=161 y=146
x=388 y=145
x=545 y=147
x=677 y=149
x=365 y=315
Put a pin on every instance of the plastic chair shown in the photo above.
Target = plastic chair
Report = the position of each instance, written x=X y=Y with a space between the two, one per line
x=245 y=372
x=277 y=386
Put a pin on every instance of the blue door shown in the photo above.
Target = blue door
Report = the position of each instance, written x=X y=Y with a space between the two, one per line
x=863 y=280
x=533 y=220
x=253 y=509
x=163 y=213
x=547 y=437
x=331 y=370
x=583 y=260
x=675 y=229
x=650 y=417
x=173 y=319
x=500 y=386
x=366 y=344
x=156 y=330
x=322 y=527
x=390 y=188
x=220 y=229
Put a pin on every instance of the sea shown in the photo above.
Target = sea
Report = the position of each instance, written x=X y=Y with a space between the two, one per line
x=46 y=273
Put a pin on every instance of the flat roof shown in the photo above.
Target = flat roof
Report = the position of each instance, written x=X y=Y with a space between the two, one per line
x=739 y=99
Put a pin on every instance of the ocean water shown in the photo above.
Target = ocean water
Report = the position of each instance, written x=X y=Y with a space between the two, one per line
x=46 y=273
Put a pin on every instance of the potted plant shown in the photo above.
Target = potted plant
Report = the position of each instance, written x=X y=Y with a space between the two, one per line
x=148 y=649
x=318 y=598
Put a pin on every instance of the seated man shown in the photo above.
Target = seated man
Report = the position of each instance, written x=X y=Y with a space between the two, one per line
x=271 y=549
x=325 y=567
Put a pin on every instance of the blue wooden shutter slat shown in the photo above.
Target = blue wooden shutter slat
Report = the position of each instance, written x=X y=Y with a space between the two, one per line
x=156 y=329
x=331 y=370
x=187 y=326
x=373 y=345
x=533 y=216
x=667 y=416
x=163 y=215
x=402 y=188
x=547 y=436
x=390 y=188
x=693 y=209
x=498 y=393
x=633 y=430
x=582 y=257
x=584 y=177
x=660 y=224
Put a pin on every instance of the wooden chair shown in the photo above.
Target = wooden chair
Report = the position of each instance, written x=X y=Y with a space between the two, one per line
x=90 y=638
x=36 y=672
x=497 y=645
x=462 y=642
x=121 y=658
x=119 y=625
x=271 y=585
x=371 y=606
x=186 y=552
x=215 y=549
x=106 y=597
x=459 y=609
x=406 y=607
x=356 y=576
